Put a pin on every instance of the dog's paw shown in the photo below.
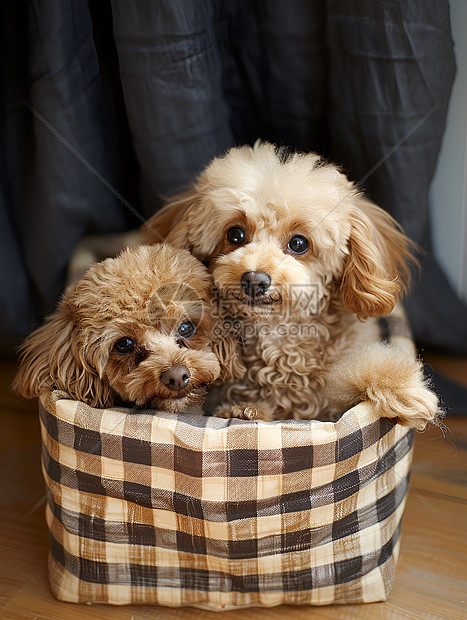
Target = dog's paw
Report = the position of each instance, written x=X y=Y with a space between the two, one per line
x=244 y=412
x=412 y=406
x=392 y=380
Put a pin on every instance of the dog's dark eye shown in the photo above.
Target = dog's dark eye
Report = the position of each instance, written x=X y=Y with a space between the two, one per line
x=124 y=346
x=186 y=329
x=236 y=235
x=298 y=244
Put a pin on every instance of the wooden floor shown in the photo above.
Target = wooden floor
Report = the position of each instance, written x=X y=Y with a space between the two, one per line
x=431 y=577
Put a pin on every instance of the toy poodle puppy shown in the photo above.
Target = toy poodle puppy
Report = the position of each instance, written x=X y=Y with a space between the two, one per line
x=136 y=330
x=304 y=265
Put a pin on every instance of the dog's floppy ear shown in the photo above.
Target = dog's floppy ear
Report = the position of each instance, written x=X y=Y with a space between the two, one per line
x=232 y=367
x=48 y=361
x=377 y=269
x=226 y=347
x=171 y=222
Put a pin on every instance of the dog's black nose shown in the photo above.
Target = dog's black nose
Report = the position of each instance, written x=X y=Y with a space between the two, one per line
x=255 y=283
x=176 y=378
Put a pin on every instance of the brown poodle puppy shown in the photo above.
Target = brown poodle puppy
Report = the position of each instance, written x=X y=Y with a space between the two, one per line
x=304 y=264
x=135 y=329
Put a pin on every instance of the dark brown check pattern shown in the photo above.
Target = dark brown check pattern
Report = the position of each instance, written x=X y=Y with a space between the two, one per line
x=186 y=510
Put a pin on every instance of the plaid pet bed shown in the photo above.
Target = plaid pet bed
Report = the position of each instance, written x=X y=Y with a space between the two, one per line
x=188 y=510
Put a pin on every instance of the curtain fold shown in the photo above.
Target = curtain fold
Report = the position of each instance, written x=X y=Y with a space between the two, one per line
x=171 y=75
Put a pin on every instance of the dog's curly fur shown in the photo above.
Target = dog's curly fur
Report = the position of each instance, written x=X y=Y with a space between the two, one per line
x=355 y=268
x=144 y=294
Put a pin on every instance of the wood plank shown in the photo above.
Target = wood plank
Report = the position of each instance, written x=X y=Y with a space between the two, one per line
x=452 y=366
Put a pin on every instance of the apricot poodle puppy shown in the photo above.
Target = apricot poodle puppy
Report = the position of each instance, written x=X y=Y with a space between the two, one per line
x=136 y=329
x=304 y=264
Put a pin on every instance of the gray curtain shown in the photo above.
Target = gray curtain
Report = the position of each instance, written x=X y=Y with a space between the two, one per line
x=112 y=99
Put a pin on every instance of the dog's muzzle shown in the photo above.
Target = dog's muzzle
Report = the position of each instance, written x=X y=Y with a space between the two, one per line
x=255 y=283
x=176 y=378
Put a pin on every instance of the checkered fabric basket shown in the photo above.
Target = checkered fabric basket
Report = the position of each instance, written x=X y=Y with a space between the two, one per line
x=188 y=510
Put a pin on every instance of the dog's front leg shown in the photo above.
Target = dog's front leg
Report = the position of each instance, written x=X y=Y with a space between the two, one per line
x=245 y=411
x=390 y=378
x=230 y=400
